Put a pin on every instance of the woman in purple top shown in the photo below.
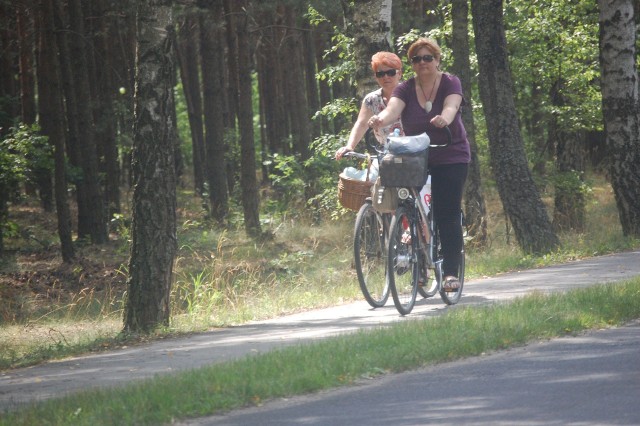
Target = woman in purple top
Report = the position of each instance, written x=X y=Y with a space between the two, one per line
x=428 y=102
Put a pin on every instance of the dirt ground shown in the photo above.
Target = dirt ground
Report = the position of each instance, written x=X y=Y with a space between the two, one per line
x=33 y=275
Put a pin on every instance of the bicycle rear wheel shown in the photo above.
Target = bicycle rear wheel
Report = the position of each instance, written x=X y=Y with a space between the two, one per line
x=452 y=297
x=370 y=254
x=402 y=269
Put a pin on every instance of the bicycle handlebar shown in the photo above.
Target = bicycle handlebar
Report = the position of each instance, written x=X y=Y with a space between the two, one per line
x=448 y=132
x=364 y=156
x=355 y=155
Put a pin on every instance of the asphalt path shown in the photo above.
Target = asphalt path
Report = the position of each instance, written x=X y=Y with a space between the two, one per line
x=555 y=374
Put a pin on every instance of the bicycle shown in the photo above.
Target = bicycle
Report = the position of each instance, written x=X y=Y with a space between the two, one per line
x=370 y=241
x=414 y=253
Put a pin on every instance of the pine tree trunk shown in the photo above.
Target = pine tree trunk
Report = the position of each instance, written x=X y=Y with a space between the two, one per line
x=248 y=179
x=105 y=115
x=298 y=112
x=52 y=122
x=475 y=210
x=187 y=47
x=71 y=110
x=95 y=209
x=8 y=86
x=213 y=90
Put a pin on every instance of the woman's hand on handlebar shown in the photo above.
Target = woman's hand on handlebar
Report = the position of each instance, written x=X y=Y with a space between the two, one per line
x=439 y=121
x=341 y=151
x=375 y=122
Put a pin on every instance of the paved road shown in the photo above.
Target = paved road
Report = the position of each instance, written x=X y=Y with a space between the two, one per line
x=593 y=379
x=118 y=367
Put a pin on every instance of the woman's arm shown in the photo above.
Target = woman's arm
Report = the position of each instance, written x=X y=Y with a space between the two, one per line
x=449 y=111
x=357 y=131
x=388 y=115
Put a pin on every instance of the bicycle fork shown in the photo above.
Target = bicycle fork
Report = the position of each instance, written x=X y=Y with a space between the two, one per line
x=425 y=243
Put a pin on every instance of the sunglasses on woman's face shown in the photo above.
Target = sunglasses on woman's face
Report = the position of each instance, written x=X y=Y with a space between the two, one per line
x=427 y=58
x=381 y=74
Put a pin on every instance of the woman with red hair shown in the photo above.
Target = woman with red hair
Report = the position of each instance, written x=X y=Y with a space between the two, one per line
x=387 y=68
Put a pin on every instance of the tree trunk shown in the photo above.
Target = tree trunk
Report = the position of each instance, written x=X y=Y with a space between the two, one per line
x=248 y=179
x=8 y=67
x=518 y=192
x=309 y=55
x=187 y=55
x=475 y=210
x=96 y=220
x=298 y=112
x=71 y=110
x=153 y=230
x=621 y=107
x=105 y=117
x=322 y=40
x=25 y=42
x=51 y=113
x=370 y=28
x=537 y=132
x=213 y=85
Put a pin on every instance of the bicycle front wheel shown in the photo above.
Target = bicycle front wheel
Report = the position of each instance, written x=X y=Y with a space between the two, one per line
x=369 y=245
x=402 y=268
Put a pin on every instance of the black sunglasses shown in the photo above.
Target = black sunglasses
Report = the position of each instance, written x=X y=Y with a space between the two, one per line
x=427 y=58
x=390 y=73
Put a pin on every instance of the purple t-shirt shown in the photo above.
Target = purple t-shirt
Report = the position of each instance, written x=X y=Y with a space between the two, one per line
x=415 y=120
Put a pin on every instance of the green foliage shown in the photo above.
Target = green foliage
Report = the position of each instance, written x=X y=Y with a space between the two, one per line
x=551 y=41
x=311 y=182
x=571 y=182
x=22 y=154
x=339 y=107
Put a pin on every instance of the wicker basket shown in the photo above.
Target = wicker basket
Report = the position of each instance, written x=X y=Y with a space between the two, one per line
x=352 y=193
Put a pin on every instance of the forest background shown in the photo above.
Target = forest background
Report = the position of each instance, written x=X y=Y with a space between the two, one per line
x=244 y=103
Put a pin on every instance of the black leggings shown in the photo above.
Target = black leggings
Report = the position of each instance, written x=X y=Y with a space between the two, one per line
x=447 y=183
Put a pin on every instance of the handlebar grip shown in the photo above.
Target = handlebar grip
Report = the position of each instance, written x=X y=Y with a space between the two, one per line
x=448 y=132
x=354 y=154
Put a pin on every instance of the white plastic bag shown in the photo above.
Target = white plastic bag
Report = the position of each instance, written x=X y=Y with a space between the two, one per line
x=407 y=145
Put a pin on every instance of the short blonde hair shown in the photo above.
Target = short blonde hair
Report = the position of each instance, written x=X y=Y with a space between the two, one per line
x=429 y=43
x=388 y=59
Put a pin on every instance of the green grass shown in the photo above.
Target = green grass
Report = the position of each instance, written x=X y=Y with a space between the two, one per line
x=462 y=332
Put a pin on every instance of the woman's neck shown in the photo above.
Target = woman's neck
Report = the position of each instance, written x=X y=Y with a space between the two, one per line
x=385 y=95
x=427 y=80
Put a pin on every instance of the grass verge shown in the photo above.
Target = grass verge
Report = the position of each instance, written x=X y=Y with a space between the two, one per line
x=462 y=332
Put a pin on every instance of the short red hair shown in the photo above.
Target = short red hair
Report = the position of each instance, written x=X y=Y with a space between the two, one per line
x=387 y=59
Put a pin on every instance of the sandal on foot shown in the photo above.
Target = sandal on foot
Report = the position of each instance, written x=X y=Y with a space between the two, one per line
x=451 y=284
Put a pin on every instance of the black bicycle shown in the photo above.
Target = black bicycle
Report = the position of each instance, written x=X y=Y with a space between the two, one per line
x=414 y=253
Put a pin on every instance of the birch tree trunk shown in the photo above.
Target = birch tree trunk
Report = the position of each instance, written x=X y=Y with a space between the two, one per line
x=153 y=229
x=369 y=23
x=621 y=107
